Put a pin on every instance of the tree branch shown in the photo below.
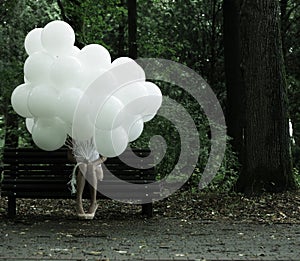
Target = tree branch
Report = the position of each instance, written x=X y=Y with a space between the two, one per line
x=62 y=10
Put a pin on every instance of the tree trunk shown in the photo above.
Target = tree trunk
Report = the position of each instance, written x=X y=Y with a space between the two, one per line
x=74 y=18
x=234 y=85
x=9 y=10
x=132 y=28
x=11 y=139
x=121 y=34
x=212 y=70
x=267 y=165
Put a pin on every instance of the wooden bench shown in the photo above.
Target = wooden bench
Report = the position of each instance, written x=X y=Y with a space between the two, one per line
x=33 y=173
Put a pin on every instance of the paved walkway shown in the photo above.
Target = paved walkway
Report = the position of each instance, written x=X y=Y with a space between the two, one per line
x=142 y=239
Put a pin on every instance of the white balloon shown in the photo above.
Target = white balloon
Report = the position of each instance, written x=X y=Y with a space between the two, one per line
x=111 y=143
x=49 y=134
x=29 y=122
x=154 y=98
x=132 y=124
x=133 y=97
x=25 y=80
x=85 y=130
x=135 y=130
x=107 y=116
x=67 y=102
x=42 y=101
x=74 y=51
x=127 y=71
x=69 y=129
x=88 y=77
x=126 y=119
x=122 y=60
x=94 y=57
x=148 y=117
x=37 y=67
x=58 y=37
x=33 y=41
x=19 y=99
x=66 y=72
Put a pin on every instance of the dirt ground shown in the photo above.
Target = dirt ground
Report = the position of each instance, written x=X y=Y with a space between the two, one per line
x=185 y=226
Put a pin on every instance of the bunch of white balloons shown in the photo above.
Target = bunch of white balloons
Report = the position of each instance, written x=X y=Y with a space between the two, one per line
x=109 y=101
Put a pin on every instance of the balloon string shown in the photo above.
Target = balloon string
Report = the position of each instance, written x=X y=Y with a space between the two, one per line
x=88 y=171
x=82 y=150
x=72 y=182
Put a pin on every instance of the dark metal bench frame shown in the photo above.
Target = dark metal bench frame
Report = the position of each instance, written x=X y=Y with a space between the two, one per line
x=33 y=173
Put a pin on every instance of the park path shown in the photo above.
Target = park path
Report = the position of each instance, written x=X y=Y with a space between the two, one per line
x=147 y=239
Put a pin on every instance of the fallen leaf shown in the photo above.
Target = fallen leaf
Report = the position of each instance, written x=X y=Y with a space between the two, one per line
x=59 y=249
x=282 y=214
x=121 y=252
x=92 y=253
x=164 y=246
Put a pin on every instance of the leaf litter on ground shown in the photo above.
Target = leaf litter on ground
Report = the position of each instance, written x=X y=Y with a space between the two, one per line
x=184 y=205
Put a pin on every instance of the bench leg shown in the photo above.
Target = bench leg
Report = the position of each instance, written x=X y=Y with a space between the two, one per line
x=12 y=206
x=147 y=209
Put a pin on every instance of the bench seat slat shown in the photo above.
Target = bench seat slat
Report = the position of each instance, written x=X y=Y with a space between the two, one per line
x=42 y=159
x=119 y=190
x=30 y=152
x=124 y=174
x=36 y=174
x=51 y=182
x=66 y=195
x=63 y=160
x=47 y=179
x=35 y=170
x=48 y=168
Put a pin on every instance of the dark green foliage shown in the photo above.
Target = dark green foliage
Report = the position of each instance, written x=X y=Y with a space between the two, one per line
x=227 y=173
x=290 y=17
x=99 y=22
x=188 y=32
x=19 y=17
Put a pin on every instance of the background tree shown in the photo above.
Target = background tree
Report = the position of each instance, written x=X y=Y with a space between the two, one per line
x=101 y=22
x=17 y=20
x=190 y=32
x=290 y=31
x=72 y=14
x=267 y=165
x=235 y=96
x=132 y=29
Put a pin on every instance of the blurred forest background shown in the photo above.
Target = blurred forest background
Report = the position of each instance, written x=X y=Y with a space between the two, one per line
x=248 y=52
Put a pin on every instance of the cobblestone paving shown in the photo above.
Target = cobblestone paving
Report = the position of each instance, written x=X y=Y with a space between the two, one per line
x=146 y=239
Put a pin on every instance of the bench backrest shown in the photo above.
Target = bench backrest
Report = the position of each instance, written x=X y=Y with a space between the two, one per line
x=29 y=163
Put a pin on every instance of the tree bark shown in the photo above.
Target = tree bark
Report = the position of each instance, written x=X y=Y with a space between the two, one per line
x=121 y=34
x=212 y=71
x=9 y=10
x=73 y=18
x=267 y=165
x=235 y=110
x=132 y=28
x=11 y=139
